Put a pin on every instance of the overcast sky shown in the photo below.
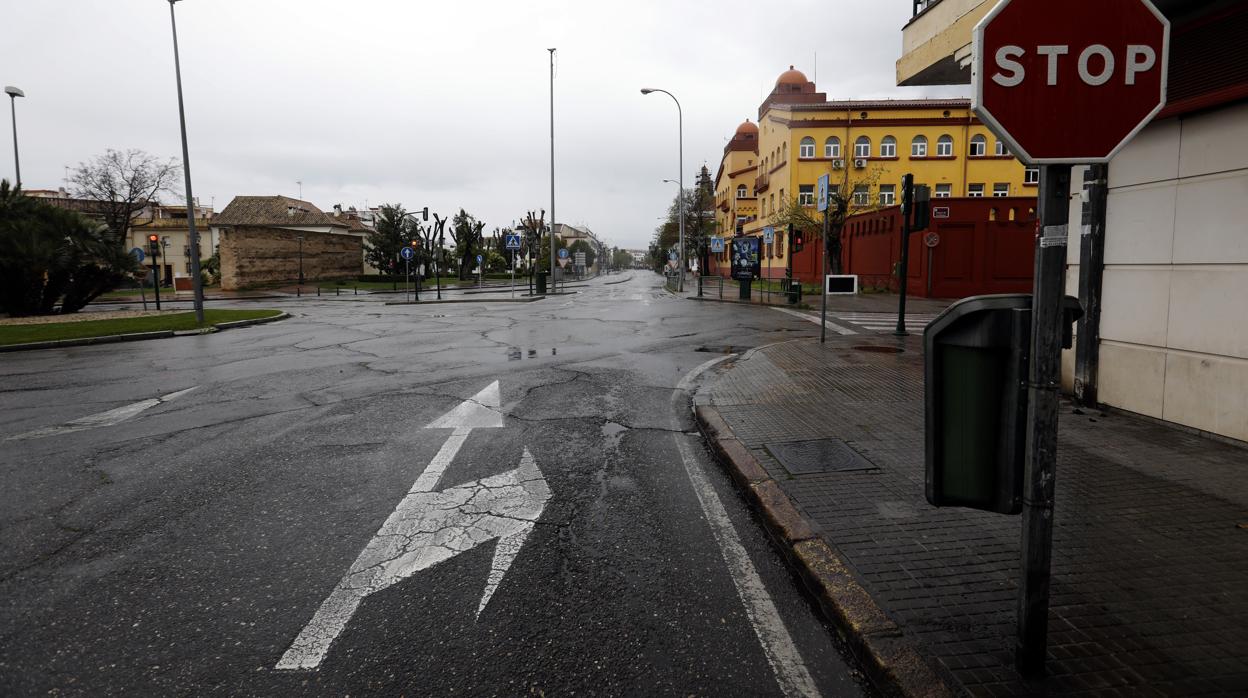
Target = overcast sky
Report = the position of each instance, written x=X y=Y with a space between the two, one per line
x=441 y=104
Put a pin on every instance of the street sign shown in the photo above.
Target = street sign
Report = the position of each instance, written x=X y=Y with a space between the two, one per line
x=931 y=239
x=480 y=259
x=1069 y=81
x=513 y=241
x=717 y=245
x=940 y=212
x=670 y=255
x=407 y=253
x=769 y=235
x=821 y=189
x=137 y=253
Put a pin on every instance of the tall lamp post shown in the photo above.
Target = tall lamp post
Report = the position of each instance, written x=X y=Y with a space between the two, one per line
x=680 y=135
x=552 y=167
x=300 y=239
x=424 y=213
x=197 y=283
x=13 y=94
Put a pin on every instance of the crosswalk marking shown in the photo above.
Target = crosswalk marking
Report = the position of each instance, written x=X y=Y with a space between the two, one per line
x=885 y=322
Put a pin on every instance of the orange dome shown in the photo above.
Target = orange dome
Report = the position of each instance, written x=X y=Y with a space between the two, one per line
x=792 y=77
x=747 y=127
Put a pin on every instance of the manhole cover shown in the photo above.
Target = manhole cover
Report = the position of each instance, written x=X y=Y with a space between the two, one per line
x=876 y=349
x=818 y=456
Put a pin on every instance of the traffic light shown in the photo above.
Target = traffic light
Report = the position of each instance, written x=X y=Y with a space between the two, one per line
x=153 y=245
x=415 y=244
x=799 y=240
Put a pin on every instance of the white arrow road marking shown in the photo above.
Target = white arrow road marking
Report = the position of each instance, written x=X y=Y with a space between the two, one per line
x=101 y=419
x=778 y=646
x=811 y=318
x=429 y=527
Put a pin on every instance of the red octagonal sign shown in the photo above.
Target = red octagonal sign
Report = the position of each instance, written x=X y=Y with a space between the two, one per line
x=1070 y=81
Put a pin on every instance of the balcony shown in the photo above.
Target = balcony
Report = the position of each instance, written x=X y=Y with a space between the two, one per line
x=761 y=182
x=936 y=43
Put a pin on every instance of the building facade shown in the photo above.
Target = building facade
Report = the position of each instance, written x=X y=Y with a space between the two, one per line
x=865 y=146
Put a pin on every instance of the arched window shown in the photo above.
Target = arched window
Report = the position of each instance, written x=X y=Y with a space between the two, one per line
x=979 y=146
x=944 y=147
x=740 y=191
x=832 y=147
x=807 y=148
x=918 y=147
x=1001 y=149
x=862 y=147
x=888 y=147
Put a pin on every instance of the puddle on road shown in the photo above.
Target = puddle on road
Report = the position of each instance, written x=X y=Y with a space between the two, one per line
x=612 y=433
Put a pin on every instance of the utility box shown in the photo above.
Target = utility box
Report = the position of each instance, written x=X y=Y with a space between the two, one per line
x=794 y=292
x=541 y=283
x=976 y=361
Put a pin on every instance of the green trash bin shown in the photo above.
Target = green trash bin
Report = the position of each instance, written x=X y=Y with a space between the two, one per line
x=975 y=362
x=541 y=283
x=794 y=291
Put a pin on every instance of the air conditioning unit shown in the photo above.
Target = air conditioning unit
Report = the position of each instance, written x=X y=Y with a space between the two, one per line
x=838 y=164
x=860 y=162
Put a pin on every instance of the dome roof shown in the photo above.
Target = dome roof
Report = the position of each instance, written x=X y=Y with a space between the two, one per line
x=747 y=127
x=792 y=77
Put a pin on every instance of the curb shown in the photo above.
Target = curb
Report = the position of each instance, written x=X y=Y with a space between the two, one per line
x=705 y=299
x=881 y=647
x=612 y=283
x=138 y=336
x=469 y=300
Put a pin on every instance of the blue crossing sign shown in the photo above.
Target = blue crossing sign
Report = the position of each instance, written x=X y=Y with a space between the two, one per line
x=407 y=253
x=513 y=241
x=563 y=254
x=137 y=253
x=822 y=195
x=769 y=235
x=717 y=245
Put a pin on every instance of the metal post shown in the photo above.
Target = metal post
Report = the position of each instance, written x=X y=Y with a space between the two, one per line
x=823 y=283
x=155 y=281
x=407 y=286
x=17 y=165
x=300 y=239
x=1091 y=272
x=552 y=168
x=437 y=263
x=1044 y=381
x=907 y=204
x=197 y=283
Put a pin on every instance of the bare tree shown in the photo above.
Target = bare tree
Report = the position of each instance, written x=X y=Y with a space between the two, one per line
x=842 y=203
x=124 y=182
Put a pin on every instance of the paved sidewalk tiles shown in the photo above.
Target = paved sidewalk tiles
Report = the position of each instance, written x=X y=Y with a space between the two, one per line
x=1150 y=585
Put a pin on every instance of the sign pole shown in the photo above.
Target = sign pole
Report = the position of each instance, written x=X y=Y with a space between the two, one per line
x=155 y=280
x=407 y=287
x=903 y=270
x=823 y=281
x=1042 y=404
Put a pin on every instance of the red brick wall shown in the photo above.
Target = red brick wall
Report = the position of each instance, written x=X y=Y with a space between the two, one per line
x=252 y=255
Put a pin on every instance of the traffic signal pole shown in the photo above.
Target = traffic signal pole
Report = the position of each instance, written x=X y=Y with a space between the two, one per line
x=1044 y=381
x=823 y=281
x=903 y=270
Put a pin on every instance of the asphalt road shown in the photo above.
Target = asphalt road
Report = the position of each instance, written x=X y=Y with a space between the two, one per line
x=461 y=499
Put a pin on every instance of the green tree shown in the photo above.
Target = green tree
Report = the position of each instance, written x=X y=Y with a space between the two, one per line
x=49 y=255
x=466 y=232
x=391 y=233
x=591 y=252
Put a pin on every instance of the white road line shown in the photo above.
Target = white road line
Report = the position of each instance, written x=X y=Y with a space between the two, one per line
x=782 y=654
x=811 y=318
x=101 y=419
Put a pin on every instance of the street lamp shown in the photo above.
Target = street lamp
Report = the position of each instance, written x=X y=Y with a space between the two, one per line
x=197 y=283
x=13 y=94
x=300 y=239
x=680 y=200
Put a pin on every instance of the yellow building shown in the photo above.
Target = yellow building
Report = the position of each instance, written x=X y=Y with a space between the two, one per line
x=866 y=146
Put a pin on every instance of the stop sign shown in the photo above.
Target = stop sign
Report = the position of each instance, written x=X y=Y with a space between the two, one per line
x=1069 y=81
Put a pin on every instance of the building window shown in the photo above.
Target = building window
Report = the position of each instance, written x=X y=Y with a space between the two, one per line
x=806 y=194
x=975 y=191
x=979 y=146
x=862 y=147
x=944 y=147
x=1001 y=149
x=918 y=147
x=1031 y=175
x=888 y=147
x=1001 y=189
x=834 y=191
x=741 y=191
x=832 y=147
x=944 y=191
x=807 y=148
x=862 y=195
x=888 y=194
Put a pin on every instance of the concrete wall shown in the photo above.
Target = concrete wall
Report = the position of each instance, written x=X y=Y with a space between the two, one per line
x=1174 y=335
x=258 y=255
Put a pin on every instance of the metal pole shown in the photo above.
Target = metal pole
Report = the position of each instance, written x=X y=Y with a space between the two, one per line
x=552 y=168
x=907 y=203
x=300 y=239
x=155 y=281
x=680 y=141
x=196 y=282
x=407 y=287
x=437 y=263
x=1044 y=381
x=823 y=282
x=17 y=165
x=1091 y=273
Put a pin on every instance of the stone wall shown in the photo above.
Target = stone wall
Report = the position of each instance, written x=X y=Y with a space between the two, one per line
x=252 y=255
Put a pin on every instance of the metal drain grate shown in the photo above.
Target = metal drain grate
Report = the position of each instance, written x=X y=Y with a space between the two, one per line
x=818 y=456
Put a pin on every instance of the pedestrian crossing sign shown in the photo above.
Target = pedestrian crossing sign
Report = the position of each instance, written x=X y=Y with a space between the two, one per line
x=717 y=245
x=513 y=241
x=822 y=196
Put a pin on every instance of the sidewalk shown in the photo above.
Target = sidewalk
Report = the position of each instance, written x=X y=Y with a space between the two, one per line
x=1150 y=563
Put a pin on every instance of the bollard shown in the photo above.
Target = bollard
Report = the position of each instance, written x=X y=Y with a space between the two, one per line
x=298 y=291
x=357 y=290
x=337 y=290
x=318 y=291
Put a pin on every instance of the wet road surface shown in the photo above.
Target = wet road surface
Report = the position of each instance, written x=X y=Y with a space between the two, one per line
x=462 y=499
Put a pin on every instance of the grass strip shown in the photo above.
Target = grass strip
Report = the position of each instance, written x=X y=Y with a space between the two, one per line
x=22 y=334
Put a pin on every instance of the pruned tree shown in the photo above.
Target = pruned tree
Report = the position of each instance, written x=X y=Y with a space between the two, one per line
x=123 y=183
x=842 y=203
x=466 y=232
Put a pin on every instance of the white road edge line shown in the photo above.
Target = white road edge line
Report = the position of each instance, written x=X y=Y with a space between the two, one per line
x=778 y=646
x=811 y=318
x=101 y=419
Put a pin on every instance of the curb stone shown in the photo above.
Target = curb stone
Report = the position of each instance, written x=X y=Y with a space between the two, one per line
x=138 y=336
x=889 y=658
x=468 y=300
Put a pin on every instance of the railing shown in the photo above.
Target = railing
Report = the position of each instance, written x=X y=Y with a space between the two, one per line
x=704 y=284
